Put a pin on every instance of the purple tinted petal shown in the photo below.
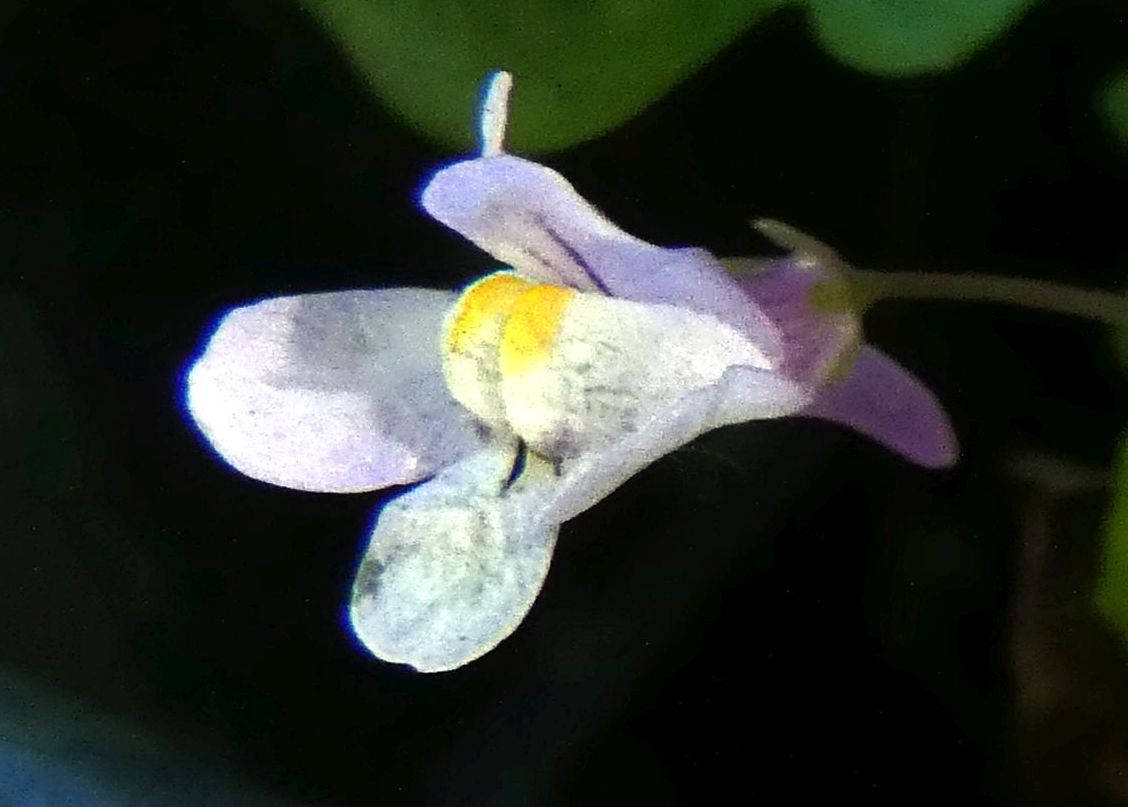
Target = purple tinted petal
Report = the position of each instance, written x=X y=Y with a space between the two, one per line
x=882 y=400
x=454 y=564
x=814 y=340
x=337 y=392
x=531 y=218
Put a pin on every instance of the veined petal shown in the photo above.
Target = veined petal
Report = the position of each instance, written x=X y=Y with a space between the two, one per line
x=882 y=400
x=532 y=219
x=743 y=393
x=336 y=392
x=454 y=564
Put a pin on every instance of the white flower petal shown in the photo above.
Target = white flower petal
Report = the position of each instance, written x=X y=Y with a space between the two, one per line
x=454 y=564
x=605 y=366
x=337 y=392
x=742 y=394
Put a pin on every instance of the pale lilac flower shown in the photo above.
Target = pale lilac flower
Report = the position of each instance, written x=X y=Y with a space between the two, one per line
x=528 y=397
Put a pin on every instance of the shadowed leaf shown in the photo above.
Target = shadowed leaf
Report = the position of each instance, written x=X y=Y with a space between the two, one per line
x=584 y=68
x=904 y=37
x=580 y=68
x=1111 y=592
x=1113 y=103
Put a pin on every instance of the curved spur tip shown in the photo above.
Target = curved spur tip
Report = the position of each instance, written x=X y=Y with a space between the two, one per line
x=495 y=113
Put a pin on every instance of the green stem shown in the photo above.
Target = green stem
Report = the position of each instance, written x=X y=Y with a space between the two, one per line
x=1101 y=306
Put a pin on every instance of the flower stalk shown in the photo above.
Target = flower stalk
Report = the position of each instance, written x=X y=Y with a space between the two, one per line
x=872 y=286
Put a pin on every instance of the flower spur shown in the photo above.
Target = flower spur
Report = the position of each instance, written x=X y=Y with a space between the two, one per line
x=529 y=396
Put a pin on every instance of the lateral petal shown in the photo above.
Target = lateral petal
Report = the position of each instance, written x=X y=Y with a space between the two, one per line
x=882 y=400
x=336 y=392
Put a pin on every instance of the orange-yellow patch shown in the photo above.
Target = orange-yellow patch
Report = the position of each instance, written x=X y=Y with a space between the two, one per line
x=532 y=326
x=480 y=305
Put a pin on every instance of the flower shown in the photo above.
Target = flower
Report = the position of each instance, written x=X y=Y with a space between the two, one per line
x=531 y=395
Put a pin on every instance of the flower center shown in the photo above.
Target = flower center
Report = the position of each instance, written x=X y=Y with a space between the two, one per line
x=571 y=371
x=531 y=330
x=501 y=324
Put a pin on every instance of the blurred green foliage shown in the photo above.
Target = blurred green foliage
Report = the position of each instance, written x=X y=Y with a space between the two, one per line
x=903 y=37
x=1112 y=577
x=585 y=67
x=580 y=68
x=1113 y=104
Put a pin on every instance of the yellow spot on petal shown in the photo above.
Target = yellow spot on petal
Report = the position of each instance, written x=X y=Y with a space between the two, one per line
x=529 y=333
x=479 y=308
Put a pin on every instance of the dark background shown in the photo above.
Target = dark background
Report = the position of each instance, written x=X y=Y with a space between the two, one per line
x=782 y=611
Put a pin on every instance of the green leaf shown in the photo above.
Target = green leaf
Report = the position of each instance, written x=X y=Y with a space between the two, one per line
x=1113 y=103
x=1111 y=591
x=580 y=68
x=903 y=37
